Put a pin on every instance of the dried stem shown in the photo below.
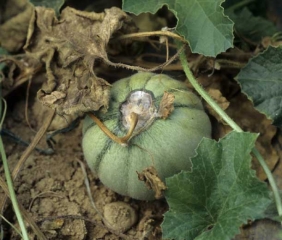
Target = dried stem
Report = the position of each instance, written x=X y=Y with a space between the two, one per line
x=123 y=140
x=137 y=68
x=149 y=34
x=134 y=120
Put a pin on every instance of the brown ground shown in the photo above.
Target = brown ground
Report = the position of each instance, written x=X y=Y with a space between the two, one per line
x=52 y=188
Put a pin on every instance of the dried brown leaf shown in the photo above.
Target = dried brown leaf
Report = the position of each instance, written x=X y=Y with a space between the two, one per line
x=70 y=47
x=270 y=41
x=220 y=100
x=15 y=17
x=152 y=180
x=166 y=105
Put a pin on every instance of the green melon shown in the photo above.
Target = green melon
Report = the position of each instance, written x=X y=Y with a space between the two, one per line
x=167 y=144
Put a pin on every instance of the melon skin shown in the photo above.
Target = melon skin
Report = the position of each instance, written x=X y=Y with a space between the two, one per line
x=167 y=144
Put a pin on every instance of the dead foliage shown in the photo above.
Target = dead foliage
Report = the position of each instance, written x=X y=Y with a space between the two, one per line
x=166 y=105
x=70 y=47
x=152 y=180
x=70 y=52
x=14 y=24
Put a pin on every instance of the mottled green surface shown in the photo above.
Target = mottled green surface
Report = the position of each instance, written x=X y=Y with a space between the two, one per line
x=166 y=144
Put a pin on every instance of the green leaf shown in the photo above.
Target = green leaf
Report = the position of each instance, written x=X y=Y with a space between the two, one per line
x=257 y=27
x=261 y=81
x=201 y=22
x=219 y=195
x=55 y=4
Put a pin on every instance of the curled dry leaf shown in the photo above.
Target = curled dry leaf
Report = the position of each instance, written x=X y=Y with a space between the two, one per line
x=166 y=105
x=152 y=180
x=69 y=47
x=217 y=87
x=221 y=101
x=146 y=224
x=9 y=81
x=15 y=16
x=270 y=41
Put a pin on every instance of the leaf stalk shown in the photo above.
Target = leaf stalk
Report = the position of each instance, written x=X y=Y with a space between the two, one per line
x=10 y=181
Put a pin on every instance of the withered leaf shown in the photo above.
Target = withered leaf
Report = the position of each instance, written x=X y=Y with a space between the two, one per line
x=152 y=180
x=15 y=17
x=166 y=105
x=221 y=101
x=70 y=47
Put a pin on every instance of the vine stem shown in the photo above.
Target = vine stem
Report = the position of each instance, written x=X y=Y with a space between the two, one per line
x=234 y=126
x=9 y=179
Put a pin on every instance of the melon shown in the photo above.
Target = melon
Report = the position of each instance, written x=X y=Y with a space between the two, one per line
x=167 y=144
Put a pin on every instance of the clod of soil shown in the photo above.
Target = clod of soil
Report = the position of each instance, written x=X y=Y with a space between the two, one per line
x=119 y=216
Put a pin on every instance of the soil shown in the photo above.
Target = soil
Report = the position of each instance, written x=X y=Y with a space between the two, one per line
x=52 y=187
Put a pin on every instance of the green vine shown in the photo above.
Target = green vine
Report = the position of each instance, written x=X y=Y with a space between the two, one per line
x=9 y=178
x=234 y=126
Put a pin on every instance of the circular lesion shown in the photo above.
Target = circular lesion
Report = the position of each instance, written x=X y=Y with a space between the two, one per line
x=141 y=103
